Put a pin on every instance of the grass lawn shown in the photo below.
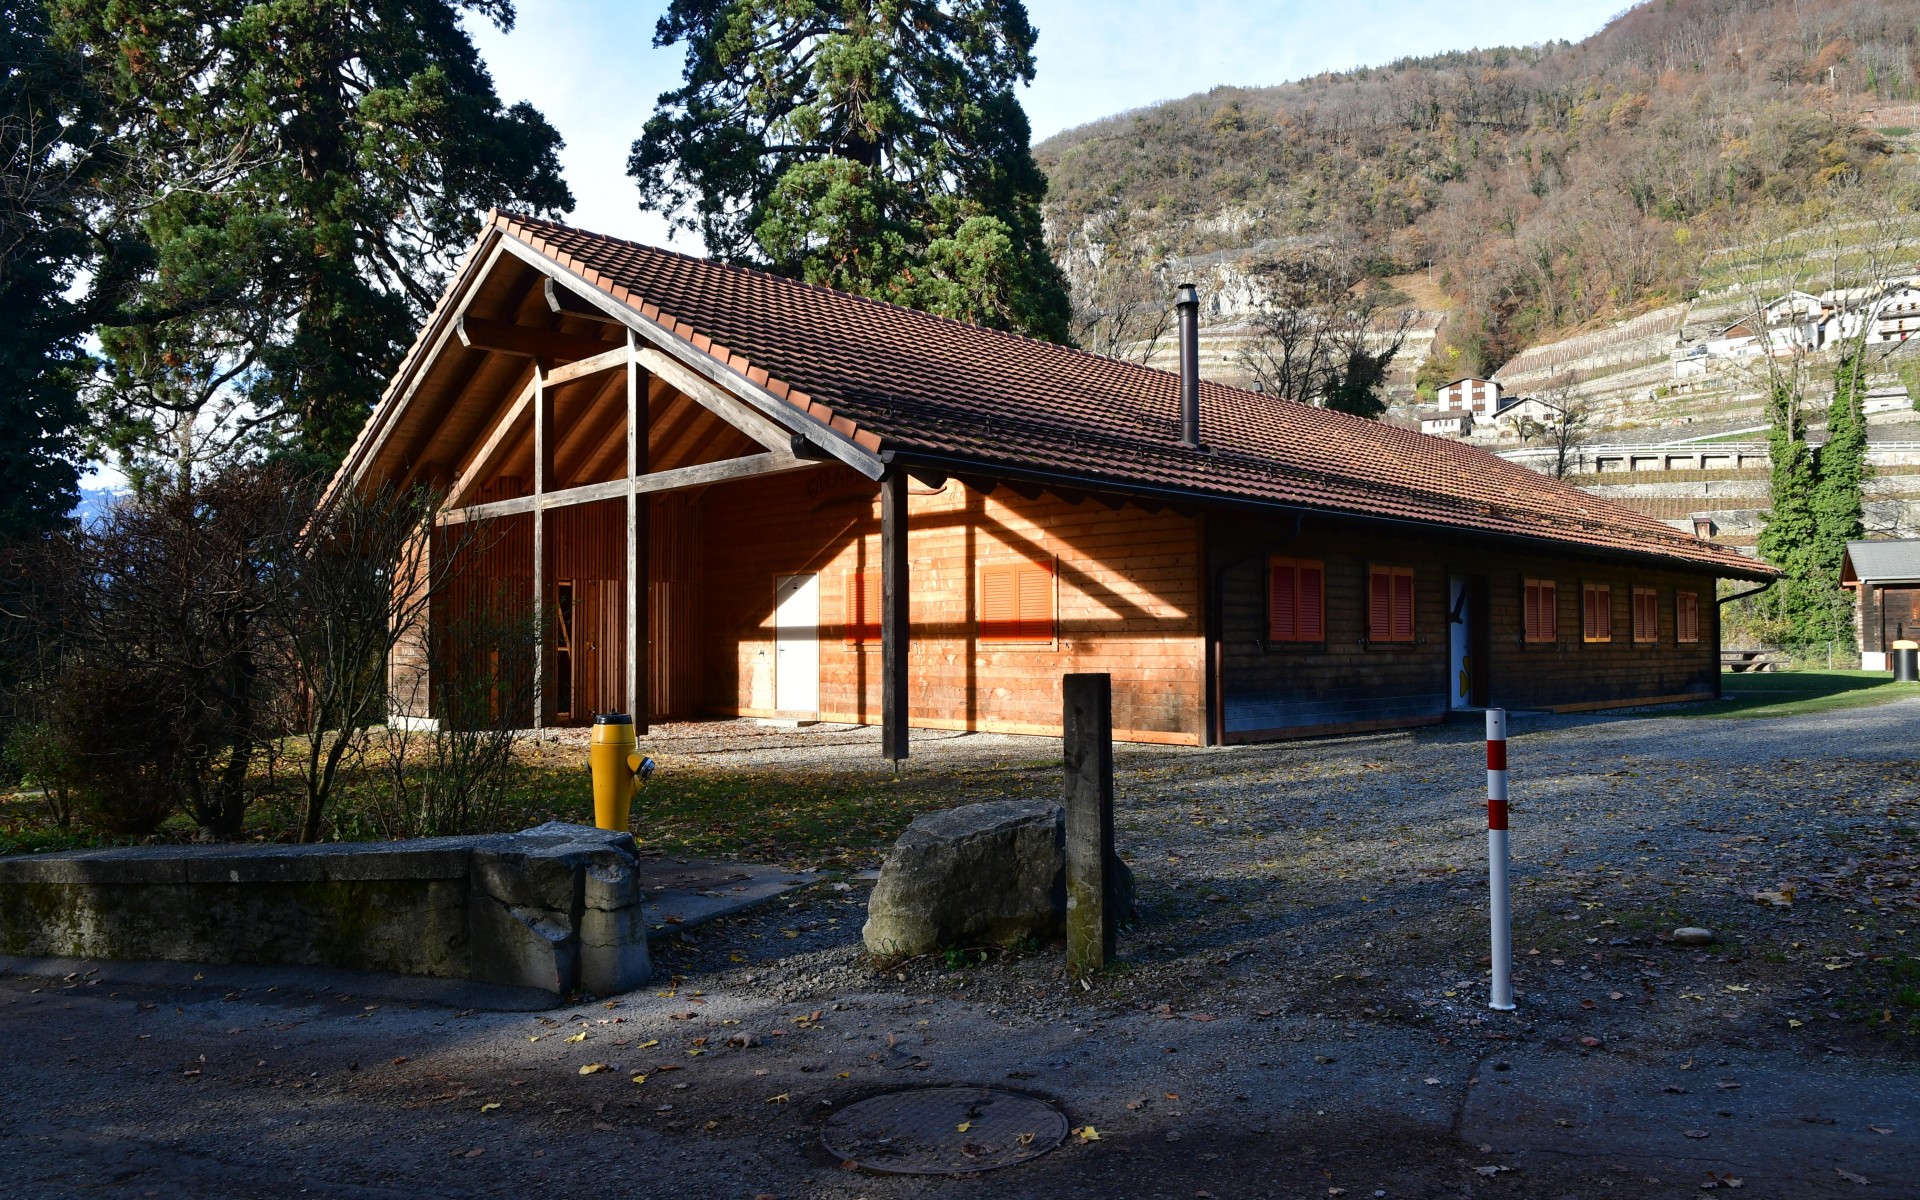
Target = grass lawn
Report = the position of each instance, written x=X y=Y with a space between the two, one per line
x=1791 y=693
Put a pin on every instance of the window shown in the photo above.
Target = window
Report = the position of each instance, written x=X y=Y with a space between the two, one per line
x=1017 y=602
x=1596 y=612
x=1646 y=615
x=1296 y=600
x=1390 y=604
x=1686 y=616
x=1540 y=611
x=863 y=607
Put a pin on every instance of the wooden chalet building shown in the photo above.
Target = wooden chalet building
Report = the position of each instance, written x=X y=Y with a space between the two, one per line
x=850 y=511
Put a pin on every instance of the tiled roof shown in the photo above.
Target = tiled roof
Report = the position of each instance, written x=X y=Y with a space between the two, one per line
x=942 y=391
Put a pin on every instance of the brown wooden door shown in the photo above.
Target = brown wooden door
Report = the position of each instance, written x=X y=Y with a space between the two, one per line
x=1899 y=614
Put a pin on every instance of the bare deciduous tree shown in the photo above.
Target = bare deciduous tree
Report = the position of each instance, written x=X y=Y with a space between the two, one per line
x=1325 y=333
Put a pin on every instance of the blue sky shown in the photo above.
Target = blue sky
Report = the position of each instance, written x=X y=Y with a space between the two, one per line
x=591 y=67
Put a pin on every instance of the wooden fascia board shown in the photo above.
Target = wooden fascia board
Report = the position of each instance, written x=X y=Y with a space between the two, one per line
x=678 y=479
x=719 y=374
x=427 y=350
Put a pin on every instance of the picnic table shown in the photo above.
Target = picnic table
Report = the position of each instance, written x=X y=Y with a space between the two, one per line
x=1752 y=660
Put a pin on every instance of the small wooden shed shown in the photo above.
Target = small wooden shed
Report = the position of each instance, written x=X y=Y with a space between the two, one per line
x=849 y=511
x=1884 y=577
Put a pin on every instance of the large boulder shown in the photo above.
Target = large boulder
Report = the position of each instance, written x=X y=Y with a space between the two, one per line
x=983 y=874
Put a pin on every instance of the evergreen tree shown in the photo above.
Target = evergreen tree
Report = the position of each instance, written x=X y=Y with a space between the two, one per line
x=1837 y=498
x=1788 y=540
x=874 y=147
x=52 y=144
x=306 y=171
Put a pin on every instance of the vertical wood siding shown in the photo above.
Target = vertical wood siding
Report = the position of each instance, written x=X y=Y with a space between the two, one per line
x=1271 y=688
x=1127 y=603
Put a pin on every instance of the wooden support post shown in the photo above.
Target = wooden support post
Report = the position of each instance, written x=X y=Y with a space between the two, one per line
x=542 y=467
x=639 y=534
x=895 y=634
x=1092 y=874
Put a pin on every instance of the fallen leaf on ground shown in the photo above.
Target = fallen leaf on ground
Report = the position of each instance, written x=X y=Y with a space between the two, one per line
x=579 y=1037
x=1878 y=1129
x=593 y=1068
x=1087 y=1133
x=782 y=1098
x=1696 y=1133
x=963 y=1126
x=1850 y=1177
x=487 y=1108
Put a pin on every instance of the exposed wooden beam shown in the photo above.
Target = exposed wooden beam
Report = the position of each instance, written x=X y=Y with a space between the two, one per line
x=678 y=479
x=611 y=360
x=542 y=472
x=895 y=625
x=505 y=337
x=563 y=300
x=489 y=455
x=728 y=407
x=639 y=664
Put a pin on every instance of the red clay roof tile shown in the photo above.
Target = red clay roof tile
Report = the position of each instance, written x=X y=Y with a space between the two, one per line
x=934 y=389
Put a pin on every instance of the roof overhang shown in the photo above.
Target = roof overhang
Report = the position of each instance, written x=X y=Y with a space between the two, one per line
x=811 y=436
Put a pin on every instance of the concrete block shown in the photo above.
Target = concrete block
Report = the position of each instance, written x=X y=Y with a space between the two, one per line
x=521 y=947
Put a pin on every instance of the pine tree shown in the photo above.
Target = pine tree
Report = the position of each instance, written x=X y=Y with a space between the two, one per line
x=876 y=148
x=305 y=171
x=50 y=137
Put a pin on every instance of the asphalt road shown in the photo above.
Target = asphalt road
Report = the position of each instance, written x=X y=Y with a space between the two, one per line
x=1295 y=1038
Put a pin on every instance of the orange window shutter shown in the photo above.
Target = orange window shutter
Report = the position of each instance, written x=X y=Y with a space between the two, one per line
x=1035 y=603
x=1379 y=606
x=1403 y=606
x=1311 y=623
x=1549 y=612
x=1283 y=610
x=999 y=606
x=1530 y=612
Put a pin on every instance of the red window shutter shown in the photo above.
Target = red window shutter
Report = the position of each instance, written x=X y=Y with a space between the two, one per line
x=1403 y=606
x=1686 y=616
x=1312 y=623
x=863 y=606
x=999 y=604
x=1549 y=611
x=1379 y=605
x=1035 y=584
x=1530 y=612
x=1283 y=609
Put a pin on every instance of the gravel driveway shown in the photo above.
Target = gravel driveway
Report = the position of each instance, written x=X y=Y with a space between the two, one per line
x=1301 y=1011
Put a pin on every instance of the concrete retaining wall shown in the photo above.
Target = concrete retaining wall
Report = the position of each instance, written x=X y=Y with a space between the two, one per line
x=555 y=908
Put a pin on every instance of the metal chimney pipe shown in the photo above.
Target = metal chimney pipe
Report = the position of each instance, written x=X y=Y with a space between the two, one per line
x=1186 y=301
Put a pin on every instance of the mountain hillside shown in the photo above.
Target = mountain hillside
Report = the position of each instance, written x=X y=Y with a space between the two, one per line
x=1513 y=195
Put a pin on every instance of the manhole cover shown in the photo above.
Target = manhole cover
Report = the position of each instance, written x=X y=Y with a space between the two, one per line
x=943 y=1131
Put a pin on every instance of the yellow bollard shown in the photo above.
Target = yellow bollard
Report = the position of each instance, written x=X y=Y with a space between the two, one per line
x=615 y=763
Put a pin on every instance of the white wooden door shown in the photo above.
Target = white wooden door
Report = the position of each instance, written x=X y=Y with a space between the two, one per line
x=1460 y=618
x=796 y=619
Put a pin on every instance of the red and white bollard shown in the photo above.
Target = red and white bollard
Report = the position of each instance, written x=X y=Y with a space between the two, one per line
x=1501 y=995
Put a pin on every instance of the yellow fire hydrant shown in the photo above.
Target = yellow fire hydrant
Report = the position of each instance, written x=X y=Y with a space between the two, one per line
x=615 y=765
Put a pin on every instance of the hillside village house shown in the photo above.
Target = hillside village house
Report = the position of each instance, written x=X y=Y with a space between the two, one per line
x=1441 y=422
x=1479 y=396
x=850 y=511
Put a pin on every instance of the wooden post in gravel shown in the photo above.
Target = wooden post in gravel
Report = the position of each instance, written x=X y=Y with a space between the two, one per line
x=1087 y=723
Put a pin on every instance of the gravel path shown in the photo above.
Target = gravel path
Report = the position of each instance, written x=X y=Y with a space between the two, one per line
x=1301 y=1011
